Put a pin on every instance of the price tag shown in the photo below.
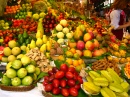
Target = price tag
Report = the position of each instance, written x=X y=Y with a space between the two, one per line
x=40 y=86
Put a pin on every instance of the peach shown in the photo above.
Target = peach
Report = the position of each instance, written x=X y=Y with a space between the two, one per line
x=87 y=37
x=87 y=53
x=97 y=53
x=89 y=45
x=79 y=52
x=96 y=43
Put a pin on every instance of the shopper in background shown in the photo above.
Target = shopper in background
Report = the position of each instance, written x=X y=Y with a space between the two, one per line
x=118 y=18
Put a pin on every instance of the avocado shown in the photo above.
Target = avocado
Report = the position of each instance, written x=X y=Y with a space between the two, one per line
x=25 y=35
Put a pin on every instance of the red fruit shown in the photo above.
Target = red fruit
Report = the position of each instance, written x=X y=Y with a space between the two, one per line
x=80 y=80
x=71 y=69
x=77 y=86
x=51 y=78
x=80 y=45
x=46 y=78
x=59 y=74
x=56 y=91
x=50 y=72
x=71 y=82
x=56 y=83
x=73 y=91
x=63 y=83
x=54 y=69
x=65 y=92
x=69 y=75
x=48 y=87
x=45 y=82
x=64 y=67
x=51 y=26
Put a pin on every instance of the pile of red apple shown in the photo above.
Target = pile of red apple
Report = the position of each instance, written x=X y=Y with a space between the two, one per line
x=65 y=81
x=17 y=23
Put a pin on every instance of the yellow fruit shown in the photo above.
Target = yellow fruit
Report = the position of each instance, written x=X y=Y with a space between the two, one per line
x=94 y=74
x=75 y=62
x=16 y=51
x=91 y=88
x=8 y=65
x=12 y=43
x=69 y=61
x=106 y=92
x=11 y=58
x=7 y=51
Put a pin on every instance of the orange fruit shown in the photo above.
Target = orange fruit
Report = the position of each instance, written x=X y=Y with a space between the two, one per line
x=80 y=61
x=75 y=62
x=61 y=58
x=73 y=50
x=69 y=61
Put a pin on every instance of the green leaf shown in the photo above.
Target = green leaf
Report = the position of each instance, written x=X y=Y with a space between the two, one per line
x=82 y=93
x=57 y=95
x=122 y=47
x=41 y=75
x=1 y=74
x=58 y=63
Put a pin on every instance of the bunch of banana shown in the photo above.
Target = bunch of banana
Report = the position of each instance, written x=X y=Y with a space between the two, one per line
x=107 y=82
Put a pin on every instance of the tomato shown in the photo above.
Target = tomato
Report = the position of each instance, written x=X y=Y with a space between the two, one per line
x=46 y=78
x=48 y=87
x=80 y=79
x=51 y=78
x=73 y=91
x=71 y=69
x=65 y=92
x=71 y=82
x=64 y=67
x=63 y=83
x=56 y=83
x=45 y=82
x=69 y=75
x=59 y=74
x=56 y=91
x=77 y=86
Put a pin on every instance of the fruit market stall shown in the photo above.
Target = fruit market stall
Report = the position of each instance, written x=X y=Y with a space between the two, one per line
x=49 y=50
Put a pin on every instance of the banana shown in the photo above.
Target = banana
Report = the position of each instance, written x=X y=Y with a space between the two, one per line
x=101 y=82
x=94 y=74
x=106 y=92
x=91 y=88
x=106 y=74
x=123 y=94
x=116 y=87
x=89 y=79
x=114 y=75
x=125 y=86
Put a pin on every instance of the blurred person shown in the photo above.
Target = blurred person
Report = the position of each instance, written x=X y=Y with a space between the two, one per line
x=118 y=18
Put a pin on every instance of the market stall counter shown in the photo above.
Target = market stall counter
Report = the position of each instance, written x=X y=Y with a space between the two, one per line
x=32 y=93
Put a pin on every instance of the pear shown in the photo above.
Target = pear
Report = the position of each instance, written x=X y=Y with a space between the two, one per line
x=44 y=39
x=39 y=34
x=43 y=48
x=48 y=45
x=39 y=42
x=32 y=44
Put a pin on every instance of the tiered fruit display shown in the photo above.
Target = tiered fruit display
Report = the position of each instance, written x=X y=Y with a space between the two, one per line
x=4 y=25
x=20 y=73
x=28 y=24
x=22 y=12
x=24 y=39
x=11 y=9
x=107 y=82
x=7 y=35
x=49 y=22
x=62 y=32
x=13 y=51
x=65 y=81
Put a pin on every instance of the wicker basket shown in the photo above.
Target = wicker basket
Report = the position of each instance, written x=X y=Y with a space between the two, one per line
x=17 y=88
x=45 y=94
